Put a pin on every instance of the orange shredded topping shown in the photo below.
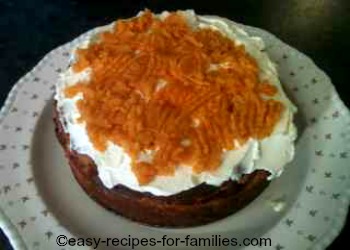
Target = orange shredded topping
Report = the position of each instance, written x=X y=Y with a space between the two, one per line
x=162 y=85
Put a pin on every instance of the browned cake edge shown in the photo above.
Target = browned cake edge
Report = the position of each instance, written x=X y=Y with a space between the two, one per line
x=197 y=206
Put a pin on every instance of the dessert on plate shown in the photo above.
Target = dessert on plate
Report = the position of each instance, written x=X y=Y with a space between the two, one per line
x=173 y=119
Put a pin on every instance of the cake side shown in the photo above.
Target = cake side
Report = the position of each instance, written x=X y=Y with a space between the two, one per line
x=197 y=206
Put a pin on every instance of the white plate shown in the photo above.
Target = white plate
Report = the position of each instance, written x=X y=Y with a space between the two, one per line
x=41 y=200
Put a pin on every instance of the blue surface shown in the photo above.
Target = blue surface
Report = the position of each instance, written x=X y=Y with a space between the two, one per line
x=4 y=242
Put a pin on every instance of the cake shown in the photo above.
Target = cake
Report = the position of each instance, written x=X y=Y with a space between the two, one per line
x=173 y=120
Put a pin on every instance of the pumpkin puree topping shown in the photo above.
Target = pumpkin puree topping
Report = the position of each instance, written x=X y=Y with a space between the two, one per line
x=185 y=93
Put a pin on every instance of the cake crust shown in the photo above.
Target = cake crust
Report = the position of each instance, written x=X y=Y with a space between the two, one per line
x=197 y=206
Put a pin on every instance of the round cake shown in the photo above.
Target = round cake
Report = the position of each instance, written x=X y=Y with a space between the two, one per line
x=173 y=119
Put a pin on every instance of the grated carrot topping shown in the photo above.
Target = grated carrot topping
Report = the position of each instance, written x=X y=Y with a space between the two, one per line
x=153 y=86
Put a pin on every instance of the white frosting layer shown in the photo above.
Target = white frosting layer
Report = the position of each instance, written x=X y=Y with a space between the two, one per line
x=114 y=165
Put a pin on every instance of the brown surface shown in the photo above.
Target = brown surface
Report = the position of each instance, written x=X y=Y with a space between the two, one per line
x=200 y=205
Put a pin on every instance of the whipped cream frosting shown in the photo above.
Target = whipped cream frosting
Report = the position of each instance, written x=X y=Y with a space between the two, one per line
x=114 y=165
